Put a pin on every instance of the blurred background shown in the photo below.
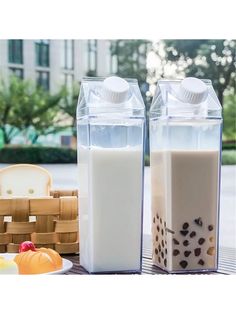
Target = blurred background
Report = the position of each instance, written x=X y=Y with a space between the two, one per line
x=39 y=88
x=40 y=81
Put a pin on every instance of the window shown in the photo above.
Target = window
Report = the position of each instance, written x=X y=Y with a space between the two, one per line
x=92 y=57
x=42 y=53
x=15 y=51
x=16 y=72
x=114 y=64
x=68 y=80
x=43 y=79
x=66 y=140
x=67 y=54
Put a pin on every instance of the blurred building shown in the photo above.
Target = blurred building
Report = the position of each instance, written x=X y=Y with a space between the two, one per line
x=52 y=63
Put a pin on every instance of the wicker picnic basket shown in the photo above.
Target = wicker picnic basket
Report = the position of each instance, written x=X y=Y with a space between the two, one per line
x=47 y=221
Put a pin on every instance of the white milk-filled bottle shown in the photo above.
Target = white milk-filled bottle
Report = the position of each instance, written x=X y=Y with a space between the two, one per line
x=185 y=158
x=110 y=137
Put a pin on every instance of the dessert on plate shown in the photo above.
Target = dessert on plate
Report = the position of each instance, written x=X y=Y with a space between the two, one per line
x=31 y=260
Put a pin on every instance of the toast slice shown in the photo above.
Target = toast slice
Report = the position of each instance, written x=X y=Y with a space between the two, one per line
x=24 y=180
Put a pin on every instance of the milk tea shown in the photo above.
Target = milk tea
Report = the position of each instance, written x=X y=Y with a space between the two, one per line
x=184 y=209
x=185 y=142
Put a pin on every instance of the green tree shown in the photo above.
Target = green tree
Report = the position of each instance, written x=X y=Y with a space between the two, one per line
x=69 y=105
x=229 y=128
x=24 y=106
x=6 y=115
x=211 y=59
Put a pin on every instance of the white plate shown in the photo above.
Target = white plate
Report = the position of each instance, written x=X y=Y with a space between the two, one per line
x=66 y=264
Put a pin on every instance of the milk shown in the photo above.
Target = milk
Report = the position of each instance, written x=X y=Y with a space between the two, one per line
x=110 y=208
x=184 y=209
x=110 y=136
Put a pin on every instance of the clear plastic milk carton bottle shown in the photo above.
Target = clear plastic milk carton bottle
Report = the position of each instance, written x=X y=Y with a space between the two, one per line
x=110 y=131
x=185 y=157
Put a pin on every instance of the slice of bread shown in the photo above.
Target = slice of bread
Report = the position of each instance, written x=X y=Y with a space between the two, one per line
x=24 y=180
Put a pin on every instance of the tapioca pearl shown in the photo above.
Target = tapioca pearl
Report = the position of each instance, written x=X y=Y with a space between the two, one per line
x=162 y=232
x=162 y=254
x=157 y=216
x=159 y=247
x=183 y=264
x=158 y=228
x=185 y=225
x=156 y=251
x=198 y=221
x=162 y=243
x=164 y=224
x=211 y=239
x=157 y=238
x=166 y=251
x=197 y=251
x=201 y=241
x=176 y=242
x=184 y=232
x=210 y=227
x=165 y=262
x=186 y=243
x=192 y=234
x=187 y=253
x=201 y=262
x=176 y=252
x=159 y=259
x=211 y=251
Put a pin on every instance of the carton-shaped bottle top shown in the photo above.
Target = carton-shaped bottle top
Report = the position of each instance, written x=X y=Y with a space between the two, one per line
x=190 y=97
x=110 y=95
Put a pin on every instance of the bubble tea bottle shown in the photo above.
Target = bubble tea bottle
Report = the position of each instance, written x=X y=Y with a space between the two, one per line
x=185 y=155
x=110 y=132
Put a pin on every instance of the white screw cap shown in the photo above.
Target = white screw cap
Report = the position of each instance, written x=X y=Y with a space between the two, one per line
x=192 y=90
x=115 y=89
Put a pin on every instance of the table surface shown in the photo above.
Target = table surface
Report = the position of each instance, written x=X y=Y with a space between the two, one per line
x=227 y=263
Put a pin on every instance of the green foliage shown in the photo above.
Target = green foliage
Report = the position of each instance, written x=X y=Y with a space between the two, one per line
x=229 y=145
x=229 y=115
x=37 y=154
x=211 y=59
x=23 y=106
x=68 y=105
x=131 y=58
x=229 y=157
